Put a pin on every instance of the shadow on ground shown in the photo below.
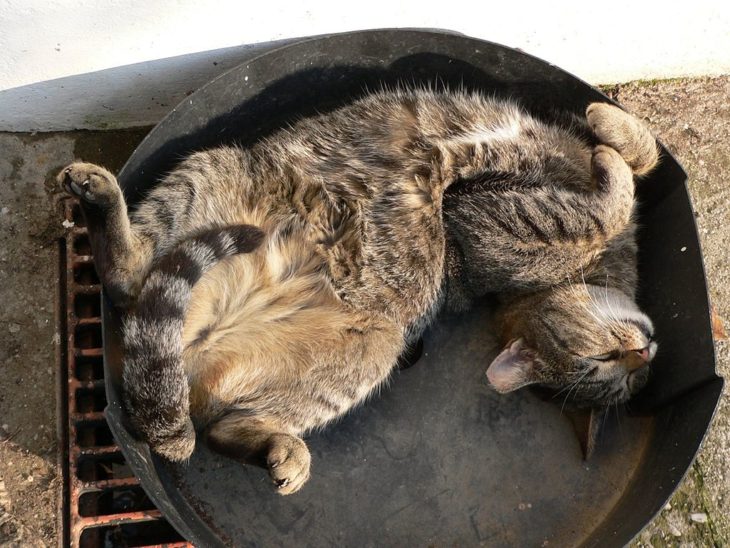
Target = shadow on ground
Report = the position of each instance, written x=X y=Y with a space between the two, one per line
x=133 y=95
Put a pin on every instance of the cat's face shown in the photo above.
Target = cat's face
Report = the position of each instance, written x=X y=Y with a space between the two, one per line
x=590 y=344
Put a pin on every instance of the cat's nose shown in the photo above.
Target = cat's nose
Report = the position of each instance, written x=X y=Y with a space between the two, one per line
x=637 y=358
x=644 y=353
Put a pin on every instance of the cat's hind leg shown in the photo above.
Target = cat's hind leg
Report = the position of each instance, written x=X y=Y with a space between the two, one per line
x=625 y=134
x=241 y=436
x=122 y=256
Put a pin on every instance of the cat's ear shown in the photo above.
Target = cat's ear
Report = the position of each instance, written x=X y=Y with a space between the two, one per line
x=587 y=426
x=513 y=368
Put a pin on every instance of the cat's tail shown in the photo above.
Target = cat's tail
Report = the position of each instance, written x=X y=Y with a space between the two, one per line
x=155 y=385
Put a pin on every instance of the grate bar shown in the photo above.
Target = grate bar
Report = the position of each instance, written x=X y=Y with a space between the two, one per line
x=88 y=417
x=98 y=451
x=127 y=518
x=87 y=289
x=89 y=321
x=167 y=545
x=89 y=352
x=95 y=384
x=109 y=484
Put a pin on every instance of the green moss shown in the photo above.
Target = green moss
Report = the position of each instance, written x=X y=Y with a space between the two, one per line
x=652 y=82
x=717 y=524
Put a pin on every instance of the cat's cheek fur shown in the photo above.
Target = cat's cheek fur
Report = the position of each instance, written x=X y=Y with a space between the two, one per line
x=513 y=368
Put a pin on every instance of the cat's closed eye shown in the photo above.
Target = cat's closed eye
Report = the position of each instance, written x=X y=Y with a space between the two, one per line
x=607 y=357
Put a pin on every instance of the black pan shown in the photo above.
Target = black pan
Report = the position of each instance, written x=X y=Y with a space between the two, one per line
x=437 y=458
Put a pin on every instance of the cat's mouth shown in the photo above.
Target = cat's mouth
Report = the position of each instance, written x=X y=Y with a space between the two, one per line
x=636 y=379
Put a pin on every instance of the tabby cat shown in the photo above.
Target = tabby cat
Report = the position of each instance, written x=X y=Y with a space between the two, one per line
x=276 y=286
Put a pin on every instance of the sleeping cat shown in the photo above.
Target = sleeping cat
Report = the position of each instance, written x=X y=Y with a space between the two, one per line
x=276 y=286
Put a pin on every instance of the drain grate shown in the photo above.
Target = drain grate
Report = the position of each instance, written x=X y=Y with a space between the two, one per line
x=103 y=502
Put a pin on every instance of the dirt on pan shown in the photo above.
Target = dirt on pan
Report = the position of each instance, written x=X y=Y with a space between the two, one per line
x=691 y=117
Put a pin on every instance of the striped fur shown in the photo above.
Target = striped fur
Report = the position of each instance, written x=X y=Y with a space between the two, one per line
x=155 y=387
x=376 y=215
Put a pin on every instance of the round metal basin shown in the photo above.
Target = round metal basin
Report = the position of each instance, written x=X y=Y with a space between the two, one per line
x=438 y=458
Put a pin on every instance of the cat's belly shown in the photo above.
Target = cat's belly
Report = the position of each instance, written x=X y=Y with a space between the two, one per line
x=390 y=264
x=265 y=329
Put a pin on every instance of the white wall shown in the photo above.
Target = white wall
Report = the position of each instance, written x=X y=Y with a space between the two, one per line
x=109 y=63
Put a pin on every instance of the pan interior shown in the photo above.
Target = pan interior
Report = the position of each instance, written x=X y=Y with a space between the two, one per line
x=436 y=458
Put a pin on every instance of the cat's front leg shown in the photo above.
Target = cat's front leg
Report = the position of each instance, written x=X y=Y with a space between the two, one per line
x=121 y=256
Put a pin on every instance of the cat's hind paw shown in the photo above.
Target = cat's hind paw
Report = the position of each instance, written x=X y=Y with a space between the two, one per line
x=288 y=461
x=91 y=183
x=625 y=134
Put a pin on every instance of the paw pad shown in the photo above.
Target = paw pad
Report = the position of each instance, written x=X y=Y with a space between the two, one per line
x=90 y=183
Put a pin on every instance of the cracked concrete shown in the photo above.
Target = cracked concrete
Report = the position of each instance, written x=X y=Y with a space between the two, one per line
x=692 y=117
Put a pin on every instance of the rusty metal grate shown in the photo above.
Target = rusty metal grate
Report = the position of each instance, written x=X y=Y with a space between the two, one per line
x=103 y=503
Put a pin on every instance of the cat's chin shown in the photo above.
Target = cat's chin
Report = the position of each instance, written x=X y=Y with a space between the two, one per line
x=637 y=379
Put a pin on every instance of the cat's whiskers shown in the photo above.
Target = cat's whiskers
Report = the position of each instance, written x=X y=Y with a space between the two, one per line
x=591 y=301
x=618 y=414
x=571 y=387
x=594 y=310
x=612 y=313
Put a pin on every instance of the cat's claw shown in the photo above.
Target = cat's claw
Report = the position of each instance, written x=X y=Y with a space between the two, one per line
x=90 y=183
x=289 y=462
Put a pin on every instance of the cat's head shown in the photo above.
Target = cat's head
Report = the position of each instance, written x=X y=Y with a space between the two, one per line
x=590 y=344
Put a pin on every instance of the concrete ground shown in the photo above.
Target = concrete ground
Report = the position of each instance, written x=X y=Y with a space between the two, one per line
x=691 y=117
x=29 y=228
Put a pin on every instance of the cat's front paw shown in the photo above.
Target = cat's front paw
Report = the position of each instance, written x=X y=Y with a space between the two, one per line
x=91 y=183
x=288 y=461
